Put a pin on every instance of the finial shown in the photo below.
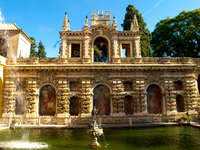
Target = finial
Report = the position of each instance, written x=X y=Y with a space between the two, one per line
x=86 y=22
x=66 y=23
x=114 y=25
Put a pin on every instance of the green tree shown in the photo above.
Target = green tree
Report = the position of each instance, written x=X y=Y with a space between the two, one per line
x=145 y=33
x=178 y=36
x=41 y=50
x=33 y=52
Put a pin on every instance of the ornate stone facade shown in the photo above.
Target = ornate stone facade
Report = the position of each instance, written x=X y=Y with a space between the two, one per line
x=121 y=70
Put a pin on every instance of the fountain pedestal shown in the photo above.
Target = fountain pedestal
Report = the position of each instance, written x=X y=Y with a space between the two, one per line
x=95 y=131
x=95 y=144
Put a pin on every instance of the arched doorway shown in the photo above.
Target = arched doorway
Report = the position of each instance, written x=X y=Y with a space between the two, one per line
x=101 y=99
x=47 y=101
x=154 y=99
x=128 y=105
x=180 y=103
x=100 y=50
x=74 y=106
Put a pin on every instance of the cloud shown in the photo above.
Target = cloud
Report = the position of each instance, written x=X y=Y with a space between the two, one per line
x=157 y=4
x=1 y=17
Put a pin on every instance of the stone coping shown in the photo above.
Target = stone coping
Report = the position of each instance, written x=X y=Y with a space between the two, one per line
x=129 y=60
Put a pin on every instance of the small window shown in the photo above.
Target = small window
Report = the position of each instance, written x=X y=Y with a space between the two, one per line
x=74 y=86
x=128 y=86
x=178 y=85
x=75 y=50
x=126 y=52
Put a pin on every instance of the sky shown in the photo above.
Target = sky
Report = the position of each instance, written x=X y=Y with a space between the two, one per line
x=43 y=19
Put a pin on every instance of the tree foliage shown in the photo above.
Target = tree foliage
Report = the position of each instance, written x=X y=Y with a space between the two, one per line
x=178 y=36
x=33 y=52
x=146 y=35
x=41 y=50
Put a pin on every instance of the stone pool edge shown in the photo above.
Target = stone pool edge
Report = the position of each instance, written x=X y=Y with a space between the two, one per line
x=145 y=125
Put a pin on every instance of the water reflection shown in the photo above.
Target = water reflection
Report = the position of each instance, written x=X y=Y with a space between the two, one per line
x=169 y=138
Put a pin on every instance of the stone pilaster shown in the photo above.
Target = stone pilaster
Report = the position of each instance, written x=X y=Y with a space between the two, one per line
x=9 y=98
x=63 y=95
x=117 y=97
x=139 y=96
x=137 y=47
x=170 y=97
x=86 y=46
x=191 y=95
x=63 y=52
x=115 y=48
x=31 y=99
x=86 y=98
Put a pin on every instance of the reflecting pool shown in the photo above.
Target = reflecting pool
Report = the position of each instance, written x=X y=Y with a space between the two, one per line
x=161 y=138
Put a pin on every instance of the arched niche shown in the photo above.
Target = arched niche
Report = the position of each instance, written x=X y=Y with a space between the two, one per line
x=74 y=106
x=128 y=105
x=180 y=103
x=101 y=49
x=102 y=99
x=47 y=101
x=154 y=99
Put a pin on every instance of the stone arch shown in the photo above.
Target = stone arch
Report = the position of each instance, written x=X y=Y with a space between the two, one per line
x=74 y=106
x=180 y=103
x=154 y=99
x=96 y=43
x=47 y=100
x=128 y=105
x=198 y=83
x=102 y=99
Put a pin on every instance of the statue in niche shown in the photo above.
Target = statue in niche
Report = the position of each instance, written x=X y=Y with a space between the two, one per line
x=47 y=101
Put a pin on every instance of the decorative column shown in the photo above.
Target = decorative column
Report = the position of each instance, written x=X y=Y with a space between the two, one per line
x=115 y=48
x=190 y=96
x=86 y=98
x=139 y=97
x=31 y=99
x=170 y=97
x=117 y=97
x=86 y=47
x=9 y=98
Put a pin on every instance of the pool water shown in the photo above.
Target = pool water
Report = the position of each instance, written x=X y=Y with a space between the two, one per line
x=160 y=138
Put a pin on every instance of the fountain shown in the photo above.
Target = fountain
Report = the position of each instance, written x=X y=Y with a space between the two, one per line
x=95 y=131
